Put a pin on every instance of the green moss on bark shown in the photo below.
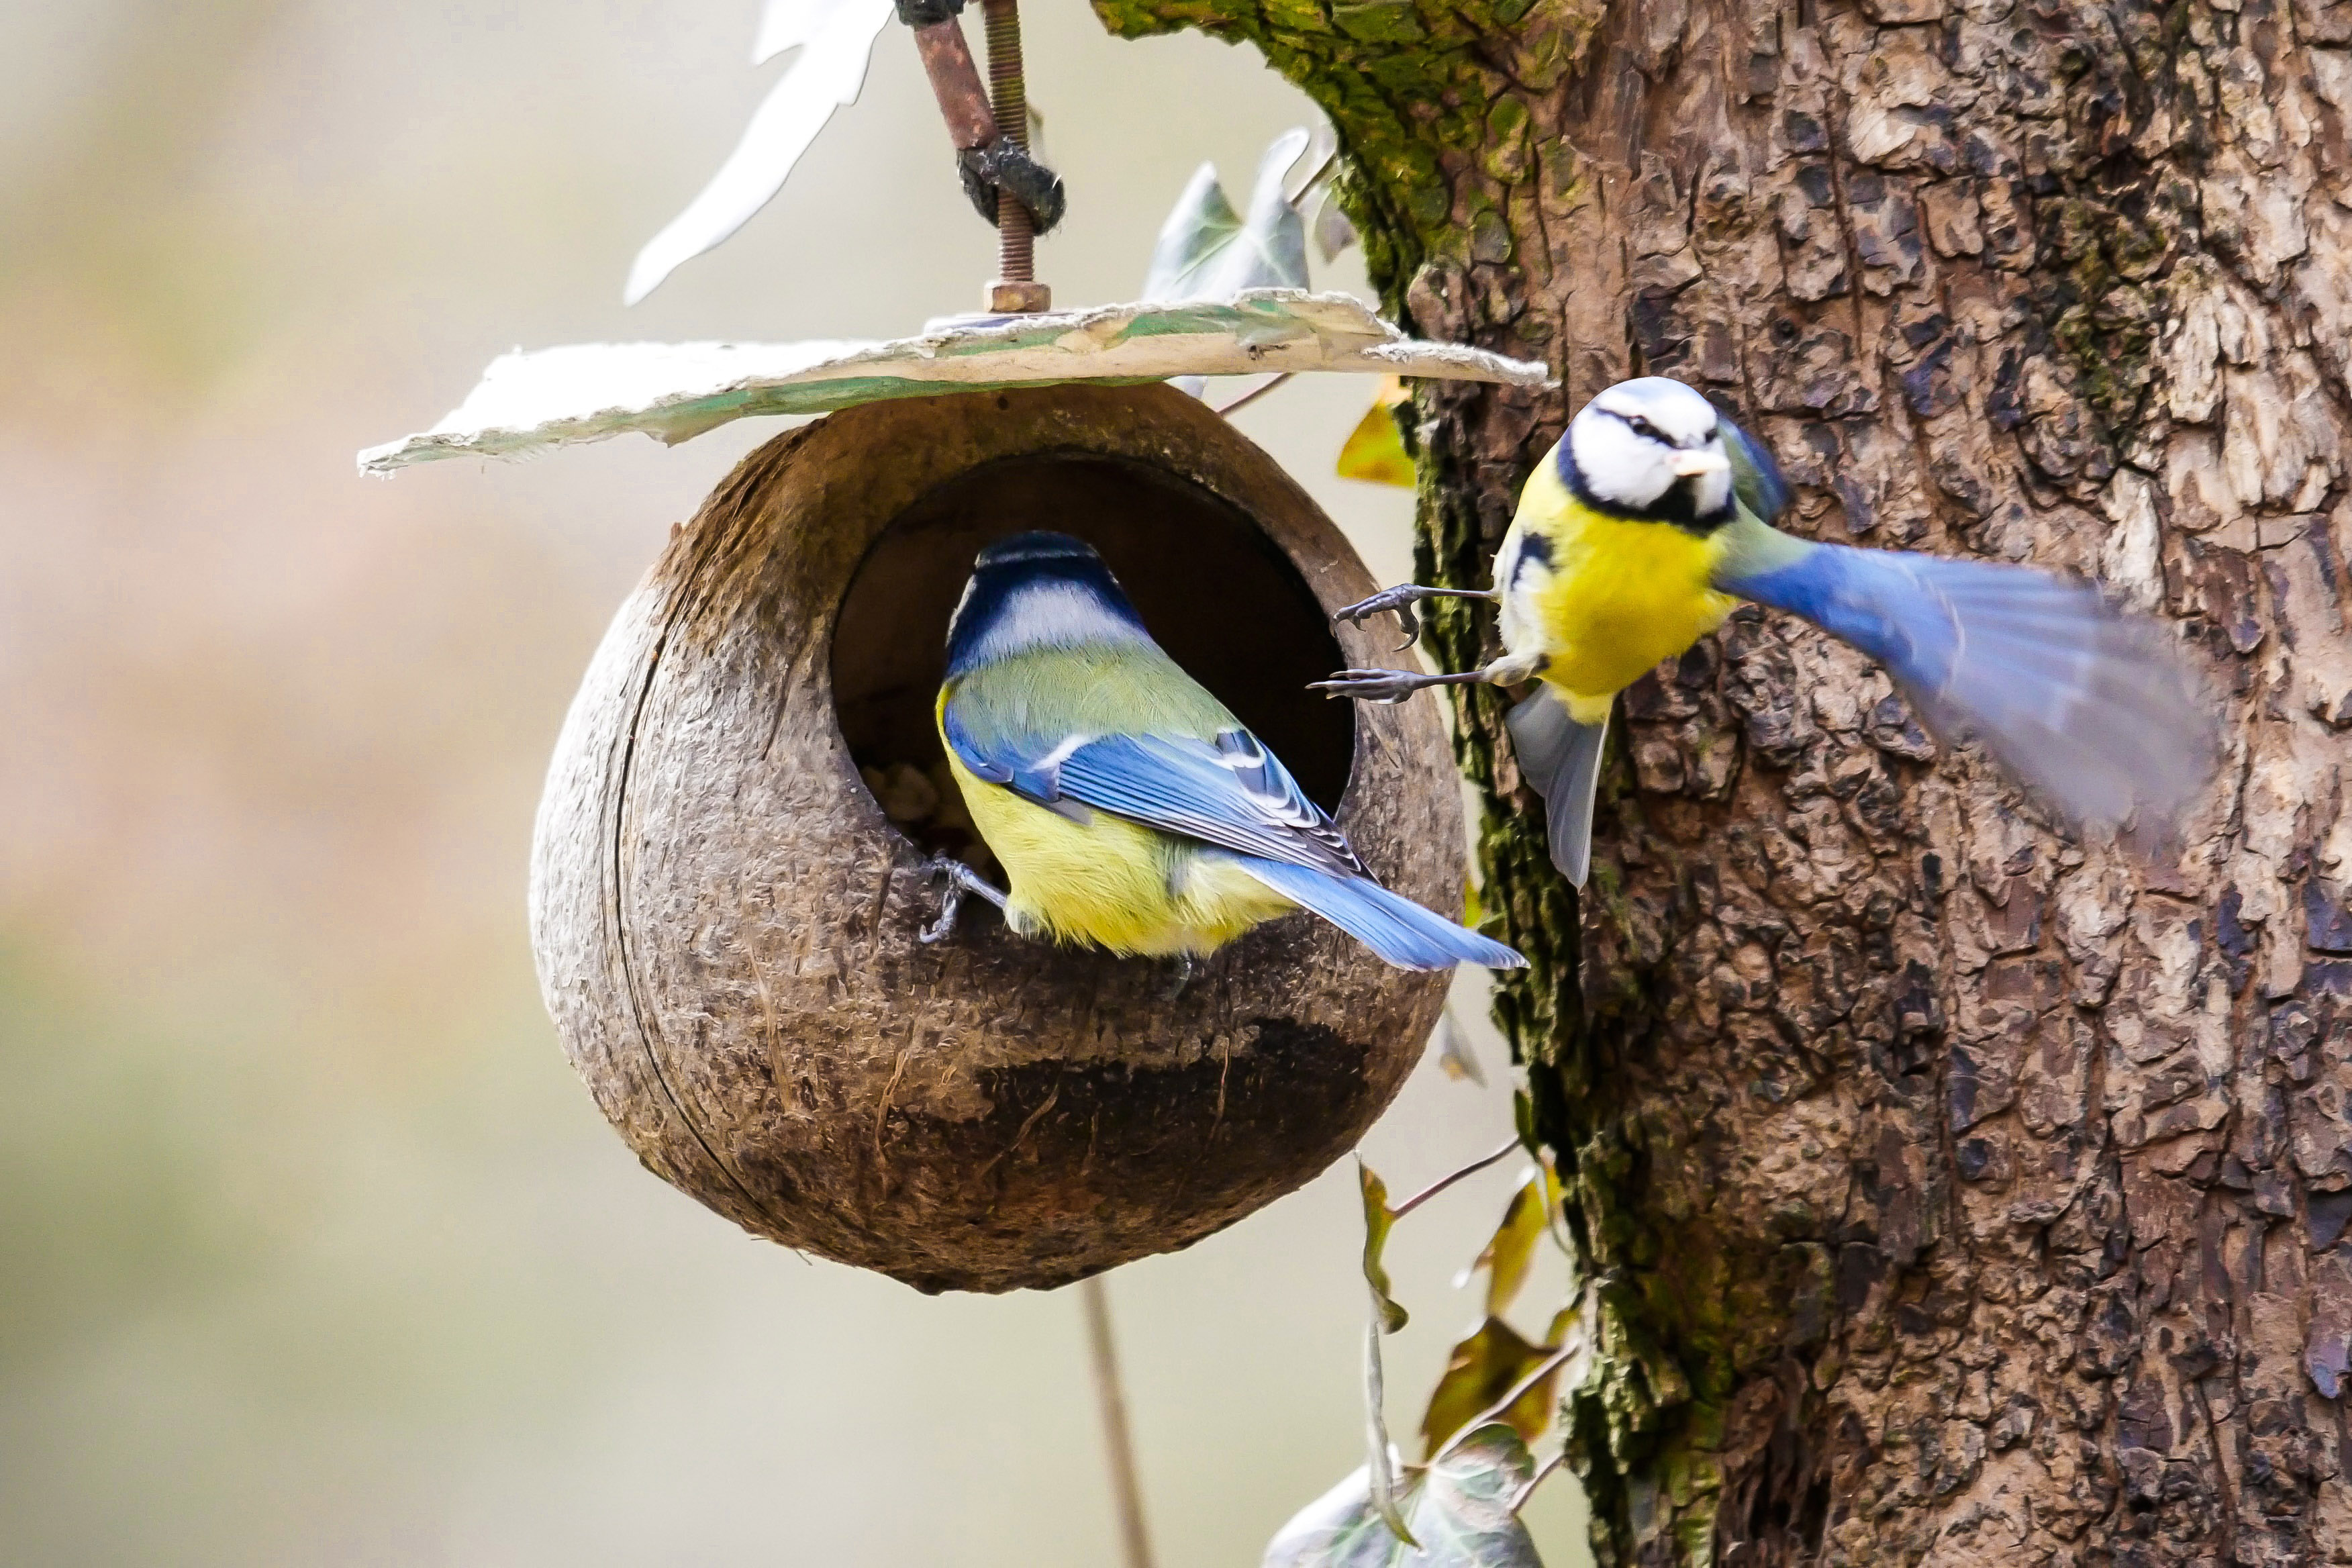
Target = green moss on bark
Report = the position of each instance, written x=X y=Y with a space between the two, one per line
x=1403 y=82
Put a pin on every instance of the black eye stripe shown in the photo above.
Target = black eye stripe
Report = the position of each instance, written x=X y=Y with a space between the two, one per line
x=1638 y=425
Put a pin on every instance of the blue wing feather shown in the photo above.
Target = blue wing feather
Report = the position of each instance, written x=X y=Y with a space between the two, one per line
x=2085 y=705
x=1229 y=791
x=969 y=752
x=1756 y=477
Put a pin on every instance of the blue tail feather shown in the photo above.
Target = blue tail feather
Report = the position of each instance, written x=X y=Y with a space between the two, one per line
x=1562 y=759
x=1399 y=930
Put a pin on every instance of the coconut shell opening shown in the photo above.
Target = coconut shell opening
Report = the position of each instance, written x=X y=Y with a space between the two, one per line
x=725 y=914
x=1215 y=591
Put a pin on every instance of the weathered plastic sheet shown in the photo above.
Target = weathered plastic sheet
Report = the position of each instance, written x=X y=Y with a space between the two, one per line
x=528 y=402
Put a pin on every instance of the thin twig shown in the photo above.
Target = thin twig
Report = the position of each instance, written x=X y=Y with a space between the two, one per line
x=1315 y=179
x=1542 y=1369
x=1439 y=1185
x=1126 y=1490
x=1519 y=1498
x=1254 y=393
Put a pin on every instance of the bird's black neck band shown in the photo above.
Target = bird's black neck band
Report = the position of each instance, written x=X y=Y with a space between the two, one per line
x=1678 y=506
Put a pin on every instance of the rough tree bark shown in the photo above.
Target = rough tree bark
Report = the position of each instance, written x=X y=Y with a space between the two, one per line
x=1949 y=1188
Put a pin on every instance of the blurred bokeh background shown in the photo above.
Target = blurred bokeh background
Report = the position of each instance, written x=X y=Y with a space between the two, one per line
x=311 y=1250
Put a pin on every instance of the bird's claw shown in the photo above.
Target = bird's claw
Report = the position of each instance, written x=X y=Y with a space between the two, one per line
x=1400 y=600
x=1371 y=685
x=1188 y=966
x=960 y=879
x=941 y=928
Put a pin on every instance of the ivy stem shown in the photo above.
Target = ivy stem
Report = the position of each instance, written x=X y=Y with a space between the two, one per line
x=1536 y=1374
x=1254 y=393
x=1439 y=1185
x=1519 y=1498
x=1119 y=1446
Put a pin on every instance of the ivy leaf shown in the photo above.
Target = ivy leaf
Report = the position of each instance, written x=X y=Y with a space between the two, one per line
x=1380 y=1454
x=1463 y=1513
x=1379 y=1466
x=1319 y=166
x=1338 y=1529
x=1333 y=232
x=1523 y=1122
x=787 y=25
x=1209 y=251
x=1378 y=1220
x=1455 y=1058
x=1512 y=1250
x=1485 y=1367
x=836 y=39
x=1374 y=450
x=1460 y=1508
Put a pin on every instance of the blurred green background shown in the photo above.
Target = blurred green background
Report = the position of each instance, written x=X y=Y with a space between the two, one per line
x=311 y=1250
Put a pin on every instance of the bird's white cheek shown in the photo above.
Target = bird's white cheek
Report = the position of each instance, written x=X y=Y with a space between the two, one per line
x=1618 y=466
x=1714 y=490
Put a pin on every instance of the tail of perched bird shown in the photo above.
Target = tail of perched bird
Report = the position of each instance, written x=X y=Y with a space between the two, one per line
x=2083 y=704
x=1399 y=930
x=1128 y=808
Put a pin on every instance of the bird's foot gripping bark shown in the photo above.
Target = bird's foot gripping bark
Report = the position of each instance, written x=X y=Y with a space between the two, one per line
x=1389 y=685
x=1402 y=599
x=960 y=879
x=1188 y=967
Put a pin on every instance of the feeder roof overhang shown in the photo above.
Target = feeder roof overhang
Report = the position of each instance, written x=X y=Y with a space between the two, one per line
x=527 y=402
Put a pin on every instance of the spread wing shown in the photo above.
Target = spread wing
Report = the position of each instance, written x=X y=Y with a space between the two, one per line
x=2090 y=707
x=1226 y=790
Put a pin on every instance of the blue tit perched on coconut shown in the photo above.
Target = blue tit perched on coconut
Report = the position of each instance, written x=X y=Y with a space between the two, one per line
x=1128 y=808
x=1652 y=517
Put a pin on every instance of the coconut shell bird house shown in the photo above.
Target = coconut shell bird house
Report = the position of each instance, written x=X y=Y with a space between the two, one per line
x=732 y=857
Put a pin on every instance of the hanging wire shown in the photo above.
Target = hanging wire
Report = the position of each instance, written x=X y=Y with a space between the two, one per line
x=1126 y=1487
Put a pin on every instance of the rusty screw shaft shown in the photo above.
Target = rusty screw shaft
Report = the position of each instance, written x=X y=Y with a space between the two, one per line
x=1016 y=237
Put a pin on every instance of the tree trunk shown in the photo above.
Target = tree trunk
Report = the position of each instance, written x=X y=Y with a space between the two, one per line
x=1949 y=1188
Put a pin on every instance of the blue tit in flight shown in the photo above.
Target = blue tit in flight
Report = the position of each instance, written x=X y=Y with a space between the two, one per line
x=1127 y=806
x=1649 y=521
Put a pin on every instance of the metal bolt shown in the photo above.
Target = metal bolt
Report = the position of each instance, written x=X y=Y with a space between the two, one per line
x=1016 y=288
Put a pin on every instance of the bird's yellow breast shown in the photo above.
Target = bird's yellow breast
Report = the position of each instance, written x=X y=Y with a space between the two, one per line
x=1114 y=883
x=1616 y=596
